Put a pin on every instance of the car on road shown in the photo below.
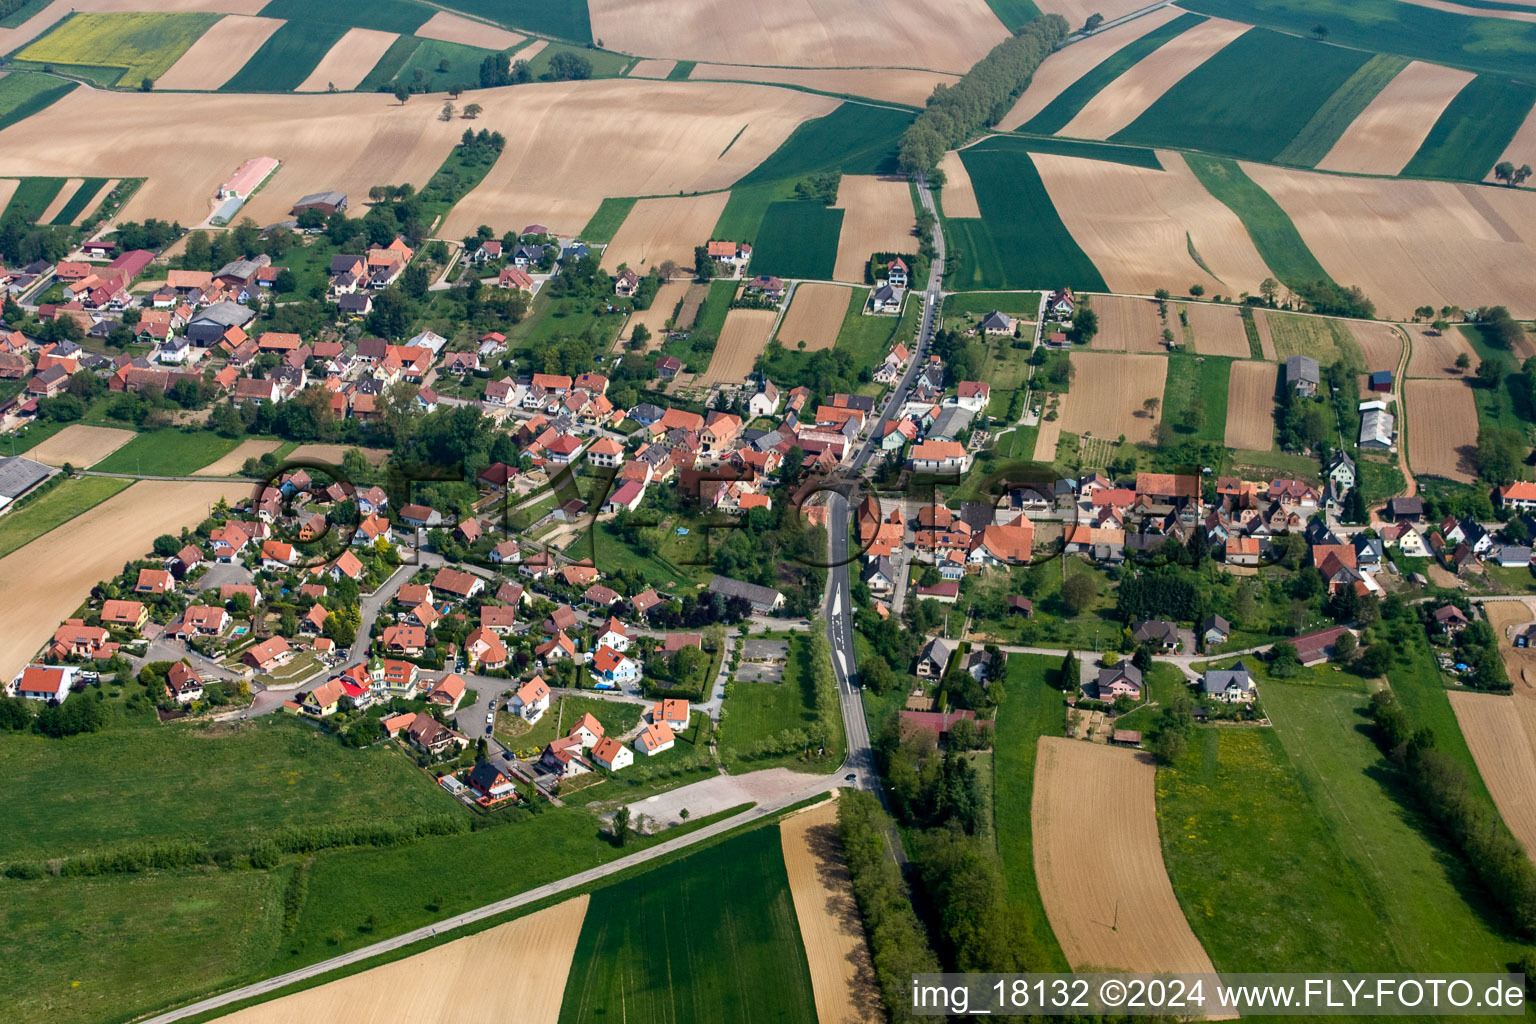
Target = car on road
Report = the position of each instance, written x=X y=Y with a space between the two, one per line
x=850 y=778
x=490 y=718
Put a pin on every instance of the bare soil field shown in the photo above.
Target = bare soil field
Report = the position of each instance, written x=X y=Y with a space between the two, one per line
x=80 y=446
x=219 y=53
x=450 y=984
x=1266 y=336
x=333 y=453
x=532 y=50
x=742 y=340
x=692 y=300
x=878 y=217
x=95 y=201
x=658 y=230
x=1499 y=730
x=842 y=973
x=815 y=316
x=1445 y=249
x=581 y=142
x=1519 y=663
x=1099 y=862
x=1108 y=392
x=1127 y=324
x=349 y=61
x=14 y=38
x=1218 y=329
x=65 y=194
x=1127 y=97
x=1049 y=435
x=455 y=28
x=892 y=85
x=1521 y=146
x=325 y=142
x=94 y=545
x=8 y=187
x=652 y=68
x=1474 y=12
x=1442 y=428
x=958 y=196
x=945 y=35
x=655 y=319
x=1434 y=354
x=229 y=465
x=1379 y=343
x=1251 y=405
x=1137 y=225
x=1392 y=127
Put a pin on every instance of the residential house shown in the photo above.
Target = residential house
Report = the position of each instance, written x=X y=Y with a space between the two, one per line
x=654 y=739
x=934 y=658
x=1121 y=680
x=611 y=755
x=531 y=700
x=1231 y=685
x=1302 y=375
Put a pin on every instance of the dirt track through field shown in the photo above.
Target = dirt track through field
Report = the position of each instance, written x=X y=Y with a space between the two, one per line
x=655 y=318
x=742 y=340
x=958 y=196
x=1434 y=354
x=1444 y=248
x=652 y=68
x=219 y=53
x=1251 y=405
x=80 y=446
x=943 y=35
x=1099 y=862
x=1067 y=65
x=349 y=61
x=94 y=545
x=842 y=973
x=60 y=200
x=1218 y=329
x=1127 y=97
x=1392 y=127
x=1109 y=392
x=1128 y=324
x=878 y=217
x=1442 y=429
x=891 y=85
x=455 y=28
x=1138 y=225
x=229 y=465
x=1501 y=732
x=514 y=971
x=815 y=316
x=658 y=230
x=1380 y=344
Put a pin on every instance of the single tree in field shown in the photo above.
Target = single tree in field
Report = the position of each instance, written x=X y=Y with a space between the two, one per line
x=1269 y=288
x=621 y=826
x=1320 y=32
x=448 y=111
x=1167 y=337
x=1439 y=326
x=1093 y=22
x=1504 y=171
x=472 y=110
x=1197 y=290
x=330 y=86
x=455 y=89
x=1463 y=361
x=402 y=94
x=1078 y=592
x=1150 y=406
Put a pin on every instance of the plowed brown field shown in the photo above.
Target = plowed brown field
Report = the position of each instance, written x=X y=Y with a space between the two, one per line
x=1127 y=324
x=1108 y=393
x=80 y=446
x=893 y=85
x=655 y=318
x=1251 y=405
x=1218 y=329
x=455 y=28
x=958 y=196
x=1442 y=429
x=815 y=316
x=219 y=53
x=1501 y=732
x=658 y=230
x=878 y=217
x=1380 y=344
x=1392 y=127
x=742 y=340
x=1434 y=353
x=349 y=61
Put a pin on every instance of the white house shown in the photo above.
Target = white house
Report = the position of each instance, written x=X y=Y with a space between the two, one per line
x=654 y=739
x=531 y=700
x=765 y=402
x=43 y=682
x=609 y=753
x=615 y=669
x=942 y=457
x=588 y=730
x=973 y=395
x=614 y=635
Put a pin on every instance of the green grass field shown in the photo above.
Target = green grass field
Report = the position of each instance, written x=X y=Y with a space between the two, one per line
x=604 y=63
x=286 y=58
x=75 y=205
x=32 y=197
x=1229 y=105
x=169 y=452
x=24 y=93
x=1197 y=383
x=757 y=712
x=1017 y=304
x=1074 y=97
x=389 y=65
x=1273 y=234
x=566 y=20
x=1021 y=242
x=1474 y=129
x=666 y=575
x=59 y=505
x=856 y=137
x=1015 y=13
x=143 y=45
x=713 y=937
x=385 y=15
x=797 y=239
x=616 y=718
x=463 y=65
x=605 y=223
x=1327 y=341
x=1336 y=114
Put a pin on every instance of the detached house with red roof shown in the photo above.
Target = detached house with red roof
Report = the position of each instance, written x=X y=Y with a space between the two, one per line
x=531 y=700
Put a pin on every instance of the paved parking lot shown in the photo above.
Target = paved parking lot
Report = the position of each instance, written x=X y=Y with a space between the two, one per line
x=765 y=650
x=726 y=791
x=759 y=672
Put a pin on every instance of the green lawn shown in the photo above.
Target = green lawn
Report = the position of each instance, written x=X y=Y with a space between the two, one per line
x=55 y=507
x=1339 y=111
x=168 y=452
x=608 y=549
x=1474 y=129
x=617 y=718
x=24 y=93
x=606 y=221
x=463 y=66
x=1195 y=396
x=287 y=57
x=1273 y=234
x=798 y=238
x=137 y=46
x=1022 y=305
x=1417 y=683
x=1030 y=710
x=567 y=20
x=385 y=15
x=604 y=64
x=715 y=937
x=757 y=712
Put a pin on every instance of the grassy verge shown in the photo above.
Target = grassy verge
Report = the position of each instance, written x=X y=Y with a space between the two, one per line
x=59 y=505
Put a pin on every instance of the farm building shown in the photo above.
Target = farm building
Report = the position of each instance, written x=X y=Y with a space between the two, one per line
x=1381 y=380
x=1316 y=648
x=248 y=177
x=1376 y=425
x=1302 y=375
x=765 y=600
x=323 y=202
x=19 y=475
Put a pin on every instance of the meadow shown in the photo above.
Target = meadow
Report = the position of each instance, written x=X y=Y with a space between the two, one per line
x=568 y=20
x=169 y=452
x=758 y=712
x=1228 y=104
x=616 y=718
x=604 y=64
x=141 y=45
x=24 y=93
x=385 y=15
x=1471 y=134
x=606 y=221
x=428 y=58
x=715 y=938
x=286 y=58
x=1016 y=304
x=1338 y=111
x=58 y=505
x=1273 y=233
x=1195 y=396
x=797 y=238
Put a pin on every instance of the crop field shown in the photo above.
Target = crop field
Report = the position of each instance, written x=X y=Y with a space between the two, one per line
x=662 y=308
x=286 y=59
x=1327 y=341
x=86 y=198
x=1434 y=353
x=25 y=523
x=32 y=197
x=943 y=36
x=1218 y=329
x=80 y=445
x=1022 y=242
x=658 y=230
x=1124 y=100
x=1474 y=129
x=143 y=45
x=229 y=464
x=742 y=340
x=454 y=28
x=1451 y=244
x=607 y=220
x=1380 y=345
x=219 y=53
x=957 y=198
x=877 y=217
x=855 y=138
x=815 y=316
x=1442 y=429
x=798 y=238
x=891 y=85
x=653 y=68
x=1094 y=804
x=1127 y=324
x=348 y=62
x=24 y=93
x=842 y=974
x=563 y=21
x=169 y=452
x=1195 y=396
x=383 y=15
x=1148 y=229
x=1251 y=405
x=1109 y=392
x=55 y=206
x=1391 y=129
x=643 y=956
x=1340 y=110
x=1501 y=732
x=1517 y=152
x=1274 y=234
